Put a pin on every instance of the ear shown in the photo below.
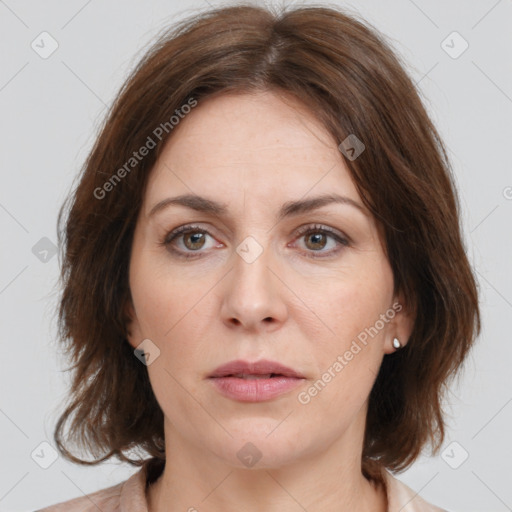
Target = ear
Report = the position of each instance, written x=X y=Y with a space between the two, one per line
x=401 y=325
x=133 y=330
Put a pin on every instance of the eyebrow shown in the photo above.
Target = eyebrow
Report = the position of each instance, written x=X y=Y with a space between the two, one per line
x=288 y=209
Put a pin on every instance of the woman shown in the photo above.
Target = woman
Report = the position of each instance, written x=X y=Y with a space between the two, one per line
x=265 y=286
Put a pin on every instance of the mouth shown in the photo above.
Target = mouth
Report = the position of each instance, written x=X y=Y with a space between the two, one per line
x=251 y=376
x=263 y=369
x=254 y=382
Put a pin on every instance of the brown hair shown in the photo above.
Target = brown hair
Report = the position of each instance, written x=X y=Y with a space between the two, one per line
x=354 y=83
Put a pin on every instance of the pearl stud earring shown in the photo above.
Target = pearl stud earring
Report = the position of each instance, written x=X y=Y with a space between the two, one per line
x=396 y=343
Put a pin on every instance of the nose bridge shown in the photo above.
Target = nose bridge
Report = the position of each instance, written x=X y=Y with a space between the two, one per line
x=252 y=264
x=252 y=294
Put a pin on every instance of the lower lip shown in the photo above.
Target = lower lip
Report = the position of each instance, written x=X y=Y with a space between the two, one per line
x=254 y=390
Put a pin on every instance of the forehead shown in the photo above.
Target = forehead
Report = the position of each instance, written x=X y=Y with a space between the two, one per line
x=259 y=142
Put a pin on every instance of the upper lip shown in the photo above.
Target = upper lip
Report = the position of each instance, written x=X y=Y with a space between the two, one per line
x=260 y=367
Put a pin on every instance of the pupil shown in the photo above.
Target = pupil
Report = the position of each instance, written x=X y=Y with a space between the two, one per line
x=195 y=241
x=317 y=238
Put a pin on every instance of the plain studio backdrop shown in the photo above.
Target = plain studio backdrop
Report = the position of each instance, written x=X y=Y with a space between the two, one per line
x=53 y=95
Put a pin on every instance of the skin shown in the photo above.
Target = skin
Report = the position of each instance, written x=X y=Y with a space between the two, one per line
x=255 y=152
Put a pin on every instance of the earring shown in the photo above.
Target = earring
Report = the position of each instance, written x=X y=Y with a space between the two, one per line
x=396 y=343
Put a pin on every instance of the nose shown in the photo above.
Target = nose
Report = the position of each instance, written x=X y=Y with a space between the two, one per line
x=253 y=293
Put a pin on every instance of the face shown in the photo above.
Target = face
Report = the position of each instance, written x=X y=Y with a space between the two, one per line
x=310 y=289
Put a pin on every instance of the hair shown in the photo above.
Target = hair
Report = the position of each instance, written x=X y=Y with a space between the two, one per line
x=346 y=73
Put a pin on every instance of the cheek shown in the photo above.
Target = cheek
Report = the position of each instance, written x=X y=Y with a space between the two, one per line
x=349 y=352
x=171 y=317
x=176 y=314
x=347 y=361
x=345 y=305
x=162 y=299
x=351 y=360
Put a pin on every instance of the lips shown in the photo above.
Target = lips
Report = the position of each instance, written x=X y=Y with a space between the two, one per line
x=254 y=370
x=259 y=381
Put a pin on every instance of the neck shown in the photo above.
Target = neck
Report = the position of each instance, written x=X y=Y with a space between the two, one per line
x=332 y=481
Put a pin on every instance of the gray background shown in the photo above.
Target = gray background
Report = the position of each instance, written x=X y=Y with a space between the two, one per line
x=51 y=109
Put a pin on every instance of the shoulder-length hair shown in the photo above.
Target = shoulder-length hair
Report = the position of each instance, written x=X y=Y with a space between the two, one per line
x=355 y=84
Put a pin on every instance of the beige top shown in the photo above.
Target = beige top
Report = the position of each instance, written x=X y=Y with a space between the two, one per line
x=130 y=495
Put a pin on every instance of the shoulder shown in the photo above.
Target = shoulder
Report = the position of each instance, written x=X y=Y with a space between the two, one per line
x=105 y=499
x=126 y=496
x=402 y=498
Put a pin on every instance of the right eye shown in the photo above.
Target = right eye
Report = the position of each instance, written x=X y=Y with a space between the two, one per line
x=189 y=239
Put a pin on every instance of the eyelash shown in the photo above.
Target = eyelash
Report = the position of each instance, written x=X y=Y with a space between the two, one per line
x=306 y=230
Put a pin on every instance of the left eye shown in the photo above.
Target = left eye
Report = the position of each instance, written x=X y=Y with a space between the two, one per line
x=316 y=239
x=193 y=238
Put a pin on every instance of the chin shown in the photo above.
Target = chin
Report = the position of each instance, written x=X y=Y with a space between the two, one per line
x=261 y=445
